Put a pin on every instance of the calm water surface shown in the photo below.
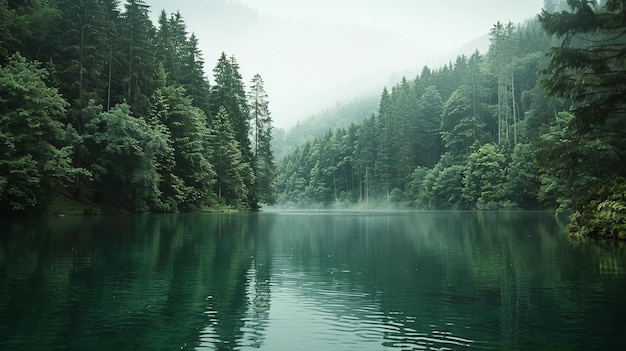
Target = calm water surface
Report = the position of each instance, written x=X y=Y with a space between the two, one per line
x=308 y=281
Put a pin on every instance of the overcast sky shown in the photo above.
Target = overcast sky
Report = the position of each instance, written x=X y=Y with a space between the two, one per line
x=313 y=53
x=439 y=25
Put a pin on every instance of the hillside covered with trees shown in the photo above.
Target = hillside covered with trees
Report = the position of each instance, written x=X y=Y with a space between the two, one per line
x=103 y=110
x=537 y=122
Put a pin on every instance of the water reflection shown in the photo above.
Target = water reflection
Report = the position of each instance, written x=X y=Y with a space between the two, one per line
x=307 y=281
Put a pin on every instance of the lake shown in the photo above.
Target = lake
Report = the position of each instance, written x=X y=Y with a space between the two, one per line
x=308 y=281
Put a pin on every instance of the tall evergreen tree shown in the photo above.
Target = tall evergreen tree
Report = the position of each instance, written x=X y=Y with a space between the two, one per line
x=138 y=34
x=261 y=135
x=182 y=60
x=588 y=66
x=84 y=62
x=193 y=150
x=386 y=141
x=430 y=109
x=171 y=185
x=365 y=153
x=460 y=129
x=228 y=92
x=228 y=162
x=501 y=54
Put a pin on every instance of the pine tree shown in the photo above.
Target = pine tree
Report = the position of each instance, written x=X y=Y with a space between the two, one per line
x=365 y=153
x=227 y=162
x=182 y=60
x=193 y=150
x=460 y=129
x=193 y=77
x=430 y=109
x=588 y=66
x=228 y=92
x=501 y=54
x=387 y=144
x=261 y=135
x=138 y=34
x=171 y=185
x=84 y=62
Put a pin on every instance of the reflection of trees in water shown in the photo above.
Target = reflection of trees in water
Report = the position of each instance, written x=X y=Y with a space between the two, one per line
x=376 y=274
x=129 y=282
x=203 y=281
x=497 y=277
x=238 y=290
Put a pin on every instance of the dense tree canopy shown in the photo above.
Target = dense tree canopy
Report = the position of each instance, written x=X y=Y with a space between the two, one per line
x=121 y=115
x=100 y=106
x=445 y=139
x=493 y=131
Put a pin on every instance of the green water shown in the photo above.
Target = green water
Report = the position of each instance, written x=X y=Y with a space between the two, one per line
x=308 y=281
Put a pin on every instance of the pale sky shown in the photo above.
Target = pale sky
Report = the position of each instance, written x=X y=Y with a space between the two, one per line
x=441 y=25
x=312 y=54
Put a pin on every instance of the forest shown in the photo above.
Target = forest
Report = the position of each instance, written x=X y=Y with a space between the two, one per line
x=101 y=111
x=535 y=123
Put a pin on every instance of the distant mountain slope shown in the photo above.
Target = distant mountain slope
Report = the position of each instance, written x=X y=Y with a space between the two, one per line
x=339 y=116
x=343 y=114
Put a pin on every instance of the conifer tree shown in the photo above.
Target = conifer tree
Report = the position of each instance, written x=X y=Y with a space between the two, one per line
x=430 y=109
x=460 y=129
x=228 y=92
x=261 y=136
x=139 y=63
x=227 y=162
x=193 y=150
x=84 y=58
x=588 y=66
x=387 y=144
x=501 y=54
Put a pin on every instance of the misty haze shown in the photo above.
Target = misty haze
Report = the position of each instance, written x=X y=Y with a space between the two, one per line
x=316 y=53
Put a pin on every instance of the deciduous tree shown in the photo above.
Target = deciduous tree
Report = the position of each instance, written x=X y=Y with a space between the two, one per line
x=34 y=159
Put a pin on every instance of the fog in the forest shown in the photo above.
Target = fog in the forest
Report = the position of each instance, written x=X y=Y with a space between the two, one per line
x=312 y=54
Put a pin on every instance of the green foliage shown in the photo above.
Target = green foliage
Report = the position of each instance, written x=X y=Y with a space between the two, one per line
x=484 y=179
x=126 y=147
x=34 y=161
x=430 y=108
x=342 y=115
x=522 y=178
x=444 y=186
x=191 y=180
x=588 y=66
x=230 y=170
x=228 y=93
x=460 y=126
x=569 y=164
x=603 y=211
x=139 y=65
x=397 y=154
x=263 y=164
x=139 y=117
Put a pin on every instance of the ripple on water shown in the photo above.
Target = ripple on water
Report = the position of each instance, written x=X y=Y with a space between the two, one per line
x=335 y=317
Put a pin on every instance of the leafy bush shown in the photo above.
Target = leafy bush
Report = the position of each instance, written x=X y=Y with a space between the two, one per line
x=603 y=212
